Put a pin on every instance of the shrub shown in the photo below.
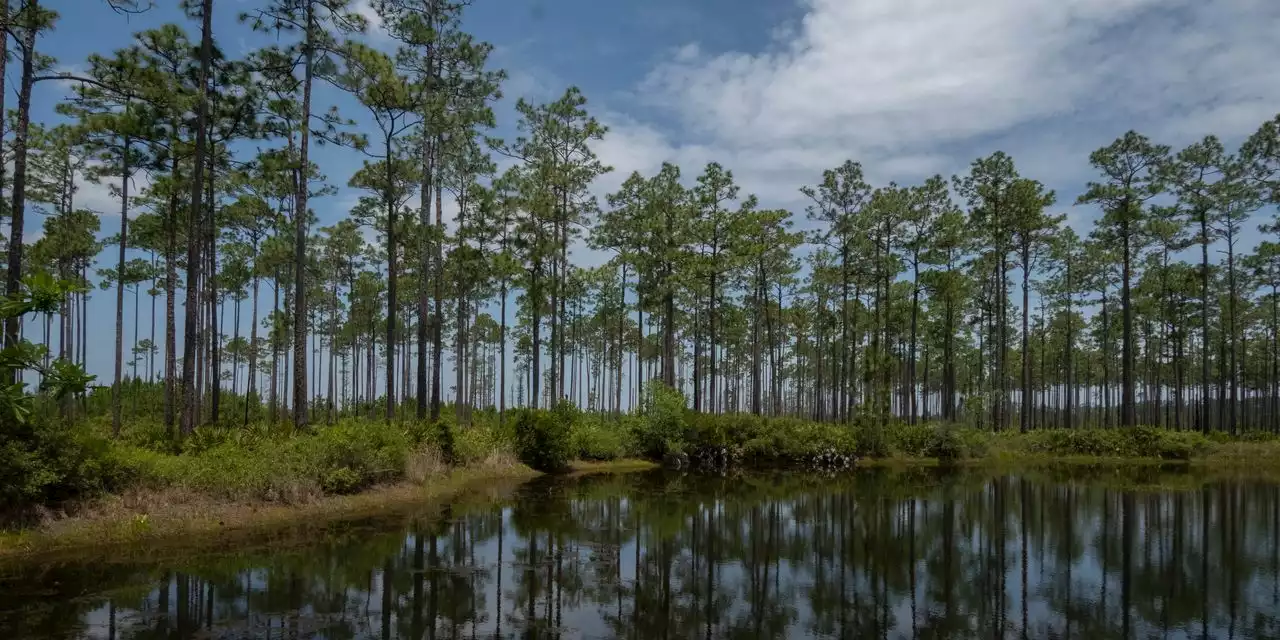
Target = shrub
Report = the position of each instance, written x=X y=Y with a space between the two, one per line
x=663 y=428
x=482 y=439
x=1181 y=445
x=543 y=438
x=48 y=463
x=594 y=439
x=945 y=444
x=1131 y=442
x=370 y=452
x=872 y=442
x=911 y=440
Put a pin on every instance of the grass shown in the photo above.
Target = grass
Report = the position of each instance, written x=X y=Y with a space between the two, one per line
x=224 y=481
x=145 y=521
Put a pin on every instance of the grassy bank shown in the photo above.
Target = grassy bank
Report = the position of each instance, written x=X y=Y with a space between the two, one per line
x=73 y=485
x=146 y=521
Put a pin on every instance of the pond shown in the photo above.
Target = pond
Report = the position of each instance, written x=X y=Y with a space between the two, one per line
x=1141 y=553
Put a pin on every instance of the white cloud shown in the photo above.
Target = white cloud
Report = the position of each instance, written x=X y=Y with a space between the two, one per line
x=914 y=87
x=365 y=9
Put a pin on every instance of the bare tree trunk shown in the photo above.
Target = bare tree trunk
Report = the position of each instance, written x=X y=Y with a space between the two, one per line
x=215 y=325
x=194 y=212
x=13 y=282
x=437 y=313
x=502 y=358
x=1025 y=422
x=116 y=398
x=251 y=384
x=392 y=289
x=300 y=215
x=424 y=268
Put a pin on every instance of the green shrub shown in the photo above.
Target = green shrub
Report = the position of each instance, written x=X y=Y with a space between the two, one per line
x=543 y=439
x=445 y=441
x=662 y=429
x=945 y=444
x=1133 y=442
x=913 y=441
x=1181 y=445
x=478 y=442
x=48 y=463
x=372 y=452
x=341 y=481
x=594 y=439
x=723 y=439
x=872 y=442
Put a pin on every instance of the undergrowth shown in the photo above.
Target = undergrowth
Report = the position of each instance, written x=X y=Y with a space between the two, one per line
x=52 y=462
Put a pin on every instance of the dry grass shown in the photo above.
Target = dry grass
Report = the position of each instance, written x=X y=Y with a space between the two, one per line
x=424 y=464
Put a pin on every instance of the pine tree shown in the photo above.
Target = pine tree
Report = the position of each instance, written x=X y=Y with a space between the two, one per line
x=322 y=23
x=838 y=201
x=1131 y=168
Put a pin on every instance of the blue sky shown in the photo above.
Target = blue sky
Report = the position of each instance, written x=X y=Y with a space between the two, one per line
x=778 y=90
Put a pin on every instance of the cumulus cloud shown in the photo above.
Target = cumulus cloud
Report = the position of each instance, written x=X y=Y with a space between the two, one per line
x=914 y=87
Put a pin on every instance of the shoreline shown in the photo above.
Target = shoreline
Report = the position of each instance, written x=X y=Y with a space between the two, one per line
x=118 y=527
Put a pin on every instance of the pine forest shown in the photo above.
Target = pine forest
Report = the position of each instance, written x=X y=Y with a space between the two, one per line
x=455 y=283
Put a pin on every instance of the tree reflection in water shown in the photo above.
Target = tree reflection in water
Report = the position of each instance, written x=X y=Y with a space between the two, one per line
x=920 y=554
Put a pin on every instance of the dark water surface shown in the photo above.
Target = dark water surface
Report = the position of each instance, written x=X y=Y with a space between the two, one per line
x=872 y=554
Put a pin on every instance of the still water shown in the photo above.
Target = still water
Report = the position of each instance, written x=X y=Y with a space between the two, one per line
x=872 y=554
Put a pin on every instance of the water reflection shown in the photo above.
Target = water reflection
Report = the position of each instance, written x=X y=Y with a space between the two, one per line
x=872 y=555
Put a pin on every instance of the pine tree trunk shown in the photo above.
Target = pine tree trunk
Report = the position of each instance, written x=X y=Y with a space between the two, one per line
x=711 y=334
x=5 y=24
x=1234 y=368
x=437 y=312
x=622 y=318
x=215 y=334
x=911 y=355
x=189 y=416
x=1128 y=400
x=116 y=390
x=392 y=288
x=1025 y=422
x=424 y=268
x=844 y=366
x=1204 y=321
x=300 y=215
x=502 y=356
x=13 y=283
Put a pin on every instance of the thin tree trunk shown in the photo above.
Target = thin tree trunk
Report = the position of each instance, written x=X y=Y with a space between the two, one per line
x=116 y=390
x=1128 y=399
x=392 y=289
x=1025 y=422
x=437 y=318
x=502 y=357
x=194 y=212
x=424 y=267
x=1204 y=321
x=300 y=214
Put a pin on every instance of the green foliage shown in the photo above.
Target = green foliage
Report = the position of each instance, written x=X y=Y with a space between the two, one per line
x=945 y=444
x=477 y=442
x=662 y=429
x=595 y=439
x=543 y=438
x=1131 y=442
x=258 y=464
x=799 y=442
x=872 y=441
x=50 y=463
x=40 y=293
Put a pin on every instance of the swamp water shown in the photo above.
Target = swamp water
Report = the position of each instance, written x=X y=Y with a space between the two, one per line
x=1075 y=553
